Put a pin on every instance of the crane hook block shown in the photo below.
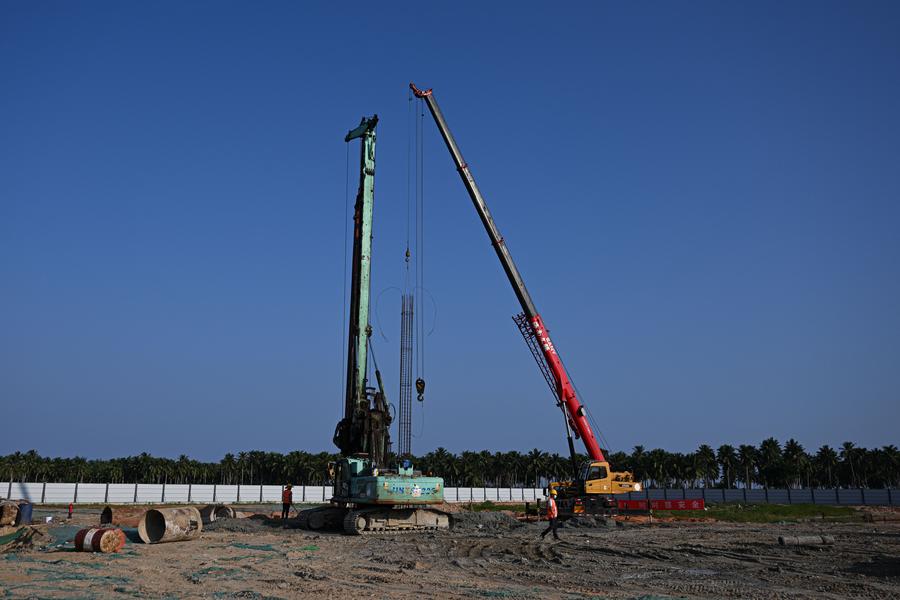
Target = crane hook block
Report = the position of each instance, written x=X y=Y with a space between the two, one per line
x=420 y=389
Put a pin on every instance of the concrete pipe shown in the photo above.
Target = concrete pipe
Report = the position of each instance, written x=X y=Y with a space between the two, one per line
x=805 y=540
x=122 y=516
x=170 y=525
x=214 y=512
x=99 y=540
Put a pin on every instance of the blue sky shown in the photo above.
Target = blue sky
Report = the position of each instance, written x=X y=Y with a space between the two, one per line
x=703 y=199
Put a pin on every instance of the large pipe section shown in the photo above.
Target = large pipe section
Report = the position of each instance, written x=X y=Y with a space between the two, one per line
x=806 y=540
x=214 y=512
x=160 y=525
x=122 y=516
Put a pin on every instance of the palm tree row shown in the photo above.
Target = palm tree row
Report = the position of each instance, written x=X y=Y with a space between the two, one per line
x=768 y=465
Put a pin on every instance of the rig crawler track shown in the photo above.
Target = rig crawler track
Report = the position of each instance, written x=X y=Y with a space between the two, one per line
x=374 y=520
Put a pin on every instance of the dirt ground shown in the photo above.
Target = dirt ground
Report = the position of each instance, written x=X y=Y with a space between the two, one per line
x=489 y=556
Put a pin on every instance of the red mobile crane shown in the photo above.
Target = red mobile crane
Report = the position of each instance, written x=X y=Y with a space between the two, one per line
x=595 y=477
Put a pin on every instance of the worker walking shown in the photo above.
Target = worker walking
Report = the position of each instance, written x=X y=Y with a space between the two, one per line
x=287 y=499
x=552 y=514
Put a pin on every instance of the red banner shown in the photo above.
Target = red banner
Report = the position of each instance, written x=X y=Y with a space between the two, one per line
x=696 y=504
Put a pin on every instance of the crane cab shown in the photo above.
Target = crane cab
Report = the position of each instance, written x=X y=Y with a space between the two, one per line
x=595 y=478
x=598 y=478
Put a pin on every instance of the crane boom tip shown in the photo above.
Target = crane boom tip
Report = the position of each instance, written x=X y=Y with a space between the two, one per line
x=419 y=93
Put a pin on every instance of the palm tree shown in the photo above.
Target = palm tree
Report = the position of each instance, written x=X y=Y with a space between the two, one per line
x=796 y=461
x=848 y=452
x=704 y=463
x=770 y=463
x=638 y=466
x=826 y=461
x=535 y=461
x=727 y=459
x=656 y=461
x=747 y=457
x=891 y=465
x=227 y=466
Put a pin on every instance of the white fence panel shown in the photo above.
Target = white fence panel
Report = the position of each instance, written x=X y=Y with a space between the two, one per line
x=91 y=493
x=56 y=493
x=312 y=493
x=177 y=492
x=149 y=493
x=30 y=491
x=202 y=492
x=248 y=493
x=271 y=493
x=226 y=493
x=121 y=493
x=504 y=494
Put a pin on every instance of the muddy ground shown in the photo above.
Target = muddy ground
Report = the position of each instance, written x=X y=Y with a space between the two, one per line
x=258 y=559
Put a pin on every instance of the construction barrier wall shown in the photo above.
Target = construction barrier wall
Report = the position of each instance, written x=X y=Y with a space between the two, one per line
x=156 y=493
x=855 y=497
x=153 y=493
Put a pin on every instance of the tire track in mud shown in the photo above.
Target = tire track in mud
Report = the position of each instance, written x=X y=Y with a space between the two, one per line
x=504 y=548
x=698 y=561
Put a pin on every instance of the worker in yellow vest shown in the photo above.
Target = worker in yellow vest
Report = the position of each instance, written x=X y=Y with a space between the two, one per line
x=552 y=514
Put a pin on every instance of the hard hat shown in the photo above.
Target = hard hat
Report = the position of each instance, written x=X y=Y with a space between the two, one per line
x=552 y=492
x=288 y=486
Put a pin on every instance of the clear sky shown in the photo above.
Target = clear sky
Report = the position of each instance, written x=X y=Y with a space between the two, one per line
x=703 y=198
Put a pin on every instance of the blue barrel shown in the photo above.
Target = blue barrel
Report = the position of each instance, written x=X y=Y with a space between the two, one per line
x=24 y=517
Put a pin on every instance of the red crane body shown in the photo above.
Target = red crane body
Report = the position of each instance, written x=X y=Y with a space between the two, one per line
x=565 y=392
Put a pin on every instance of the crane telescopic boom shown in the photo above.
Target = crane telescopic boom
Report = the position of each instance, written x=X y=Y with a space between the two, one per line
x=565 y=391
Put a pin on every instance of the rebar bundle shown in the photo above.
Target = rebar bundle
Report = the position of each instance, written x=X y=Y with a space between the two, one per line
x=406 y=372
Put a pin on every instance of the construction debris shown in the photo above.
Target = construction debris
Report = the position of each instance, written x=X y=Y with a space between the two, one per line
x=589 y=521
x=806 y=540
x=252 y=524
x=170 y=525
x=19 y=540
x=488 y=521
x=106 y=540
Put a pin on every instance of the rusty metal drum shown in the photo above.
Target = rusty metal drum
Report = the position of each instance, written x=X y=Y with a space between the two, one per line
x=94 y=539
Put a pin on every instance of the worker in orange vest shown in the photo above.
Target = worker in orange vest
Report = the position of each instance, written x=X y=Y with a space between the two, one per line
x=287 y=499
x=552 y=514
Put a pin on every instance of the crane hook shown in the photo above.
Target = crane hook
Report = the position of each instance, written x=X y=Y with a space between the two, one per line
x=420 y=389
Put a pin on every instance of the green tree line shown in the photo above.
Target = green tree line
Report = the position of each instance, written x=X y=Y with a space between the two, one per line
x=768 y=465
